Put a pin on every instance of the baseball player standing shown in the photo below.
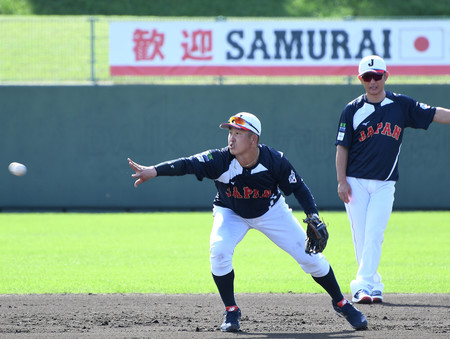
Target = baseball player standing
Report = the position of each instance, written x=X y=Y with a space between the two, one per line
x=368 y=143
x=249 y=178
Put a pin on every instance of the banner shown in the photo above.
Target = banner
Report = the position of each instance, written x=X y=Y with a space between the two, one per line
x=277 y=48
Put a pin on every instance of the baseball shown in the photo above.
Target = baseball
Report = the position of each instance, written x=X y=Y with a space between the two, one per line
x=17 y=169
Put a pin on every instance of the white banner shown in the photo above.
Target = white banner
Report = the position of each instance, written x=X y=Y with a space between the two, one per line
x=277 y=48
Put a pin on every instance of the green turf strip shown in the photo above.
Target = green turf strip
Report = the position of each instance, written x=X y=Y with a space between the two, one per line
x=169 y=253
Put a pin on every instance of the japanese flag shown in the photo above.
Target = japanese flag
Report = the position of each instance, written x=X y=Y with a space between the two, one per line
x=422 y=43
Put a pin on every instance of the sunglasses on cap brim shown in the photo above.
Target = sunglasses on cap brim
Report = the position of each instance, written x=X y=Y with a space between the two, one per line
x=241 y=122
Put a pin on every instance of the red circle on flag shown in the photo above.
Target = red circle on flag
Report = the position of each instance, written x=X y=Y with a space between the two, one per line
x=421 y=44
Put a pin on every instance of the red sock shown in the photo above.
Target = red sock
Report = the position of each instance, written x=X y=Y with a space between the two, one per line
x=342 y=302
x=233 y=308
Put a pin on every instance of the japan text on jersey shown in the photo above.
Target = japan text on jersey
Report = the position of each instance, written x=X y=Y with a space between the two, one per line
x=373 y=133
x=250 y=192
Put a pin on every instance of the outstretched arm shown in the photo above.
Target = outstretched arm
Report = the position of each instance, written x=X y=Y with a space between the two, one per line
x=442 y=115
x=143 y=173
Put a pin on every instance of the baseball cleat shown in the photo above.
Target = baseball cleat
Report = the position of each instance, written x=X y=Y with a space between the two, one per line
x=355 y=317
x=231 y=321
x=377 y=296
x=362 y=297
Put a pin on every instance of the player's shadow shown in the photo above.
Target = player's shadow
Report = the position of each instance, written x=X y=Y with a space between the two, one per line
x=416 y=305
x=298 y=335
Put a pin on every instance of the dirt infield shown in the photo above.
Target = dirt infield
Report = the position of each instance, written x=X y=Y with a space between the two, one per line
x=199 y=316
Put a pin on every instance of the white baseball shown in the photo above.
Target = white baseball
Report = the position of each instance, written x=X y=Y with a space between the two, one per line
x=17 y=169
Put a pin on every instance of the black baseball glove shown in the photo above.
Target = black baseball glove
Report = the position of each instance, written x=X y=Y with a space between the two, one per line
x=316 y=234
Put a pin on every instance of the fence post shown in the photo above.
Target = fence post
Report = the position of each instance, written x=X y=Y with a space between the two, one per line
x=221 y=18
x=92 y=24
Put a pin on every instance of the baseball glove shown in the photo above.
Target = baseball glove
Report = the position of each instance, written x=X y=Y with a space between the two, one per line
x=316 y=234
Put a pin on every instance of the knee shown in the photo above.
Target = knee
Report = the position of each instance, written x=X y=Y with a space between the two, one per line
x=221 y=259
x=316 y=265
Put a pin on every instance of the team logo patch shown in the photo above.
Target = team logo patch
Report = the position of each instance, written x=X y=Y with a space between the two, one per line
x=424 y=106
x=341 y=133
x=204 y=157
x=292 y=178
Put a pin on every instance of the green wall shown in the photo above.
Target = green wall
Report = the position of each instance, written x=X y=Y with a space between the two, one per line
x=75 y=141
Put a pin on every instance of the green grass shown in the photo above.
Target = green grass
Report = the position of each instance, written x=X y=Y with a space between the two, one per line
x=57 y=49
x=256 y=8
x=169 y=253
x=52 y=49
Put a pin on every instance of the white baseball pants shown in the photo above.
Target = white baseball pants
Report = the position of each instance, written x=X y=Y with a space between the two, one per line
x=278 y=224
x=368 y=211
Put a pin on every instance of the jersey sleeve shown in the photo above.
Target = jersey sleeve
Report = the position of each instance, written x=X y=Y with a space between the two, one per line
x=345 y=127
x=204 y=165
x=291 y=182
x=417 y=114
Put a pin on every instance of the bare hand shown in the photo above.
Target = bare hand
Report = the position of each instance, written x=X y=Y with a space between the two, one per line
x=344 y=191
x=143 y=173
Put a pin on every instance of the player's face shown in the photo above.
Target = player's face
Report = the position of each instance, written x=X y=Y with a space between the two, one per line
x=374 y=88
x=239 y=141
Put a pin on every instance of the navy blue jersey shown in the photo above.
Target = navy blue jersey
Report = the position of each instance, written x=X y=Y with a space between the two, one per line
x=249 y=192
x=373 y=133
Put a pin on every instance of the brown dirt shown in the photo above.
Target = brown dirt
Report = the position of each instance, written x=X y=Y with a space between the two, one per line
x=199 y=316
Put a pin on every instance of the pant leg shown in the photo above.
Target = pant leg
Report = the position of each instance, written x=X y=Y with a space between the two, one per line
x=368 y=213
x=283 y=229
x=378 y=214
x=356 y=213
x=227 y=231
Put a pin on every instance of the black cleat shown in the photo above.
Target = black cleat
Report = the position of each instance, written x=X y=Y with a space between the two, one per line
x=355 y=317
x=362 y=297
x=231 y=321
x=377 y=296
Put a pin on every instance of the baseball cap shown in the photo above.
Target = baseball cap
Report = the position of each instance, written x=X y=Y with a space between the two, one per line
x=245 y=121
x=372 y=63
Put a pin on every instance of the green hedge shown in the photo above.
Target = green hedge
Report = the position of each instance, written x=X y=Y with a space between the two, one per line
x=230 y=8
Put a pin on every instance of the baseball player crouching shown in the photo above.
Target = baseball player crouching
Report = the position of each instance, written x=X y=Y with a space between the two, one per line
x=249 y=178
